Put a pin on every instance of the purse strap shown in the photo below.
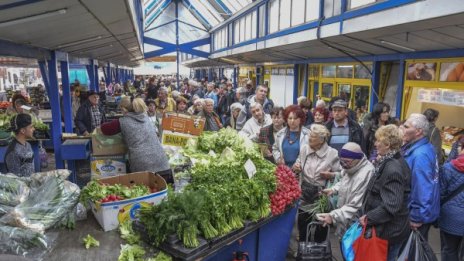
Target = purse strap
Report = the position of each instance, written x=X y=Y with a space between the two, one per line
x=453 y=194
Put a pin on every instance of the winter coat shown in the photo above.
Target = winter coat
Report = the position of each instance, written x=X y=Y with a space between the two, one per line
x=144 y=149
x=83 y=118
x=313 y=162
x=369 y=129
x=245 y=113
x=424 y=203
x=385 y=202
x=277 y=147
x=356 y=133
x=451 y=218
x=350 y=190
x=252 y=127
x=210 y=120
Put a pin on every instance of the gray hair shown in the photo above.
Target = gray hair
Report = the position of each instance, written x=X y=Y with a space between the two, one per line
x=199 y=101
x=163 y=89
x=208 y=100
x=321 y=131
x=236 y=105
x=419 y=121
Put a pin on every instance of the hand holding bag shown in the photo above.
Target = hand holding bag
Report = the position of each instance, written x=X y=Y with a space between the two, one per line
x=373 y=248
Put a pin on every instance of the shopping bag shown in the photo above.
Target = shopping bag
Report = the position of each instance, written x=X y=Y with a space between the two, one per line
x=417 y=249
x=373 y=248
x=348 y=240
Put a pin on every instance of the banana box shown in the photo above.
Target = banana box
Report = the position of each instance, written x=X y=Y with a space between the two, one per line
x=110 y=214
x=107 y=166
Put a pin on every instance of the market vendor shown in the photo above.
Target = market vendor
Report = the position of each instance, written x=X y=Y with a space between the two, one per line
x=145 y=151
x=90 y=114
x=19 y=157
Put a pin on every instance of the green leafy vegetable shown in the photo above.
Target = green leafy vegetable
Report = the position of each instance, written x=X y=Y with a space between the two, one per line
x=131 y=253
x=127 y=233
x=89 y=242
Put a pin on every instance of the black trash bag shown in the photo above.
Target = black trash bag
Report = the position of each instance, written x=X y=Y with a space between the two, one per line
x=417 y=249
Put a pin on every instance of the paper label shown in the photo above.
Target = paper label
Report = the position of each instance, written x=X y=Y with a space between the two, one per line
x=250 y=168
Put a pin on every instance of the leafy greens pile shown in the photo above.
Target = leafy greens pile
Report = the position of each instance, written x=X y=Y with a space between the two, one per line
x=221 y=195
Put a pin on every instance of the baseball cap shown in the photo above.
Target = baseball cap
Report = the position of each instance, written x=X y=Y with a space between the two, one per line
x=339 y=104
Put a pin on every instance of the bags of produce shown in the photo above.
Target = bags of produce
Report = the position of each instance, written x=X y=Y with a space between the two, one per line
x=51 y=202
x=21 y=241
x=13 y=191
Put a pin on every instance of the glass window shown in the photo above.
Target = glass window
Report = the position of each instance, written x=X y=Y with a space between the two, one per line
x=248 y=27
x=314 y=71
x=357 y=3
x=253 y=25
x=328 y=71
x=327 y=90
x=332 y=8
x=452 y=72
x=262 y=16
x=242 y=29
x=237 y=32
x=298 y=12
x=274 y=16
x=229 y=35
x=312 y=10
x=285 y=14
x=360 y=72
x=345 y=71
x=344 y=91
x=361 y=97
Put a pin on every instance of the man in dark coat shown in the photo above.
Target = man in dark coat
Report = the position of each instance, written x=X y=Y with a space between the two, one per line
x=90 y=115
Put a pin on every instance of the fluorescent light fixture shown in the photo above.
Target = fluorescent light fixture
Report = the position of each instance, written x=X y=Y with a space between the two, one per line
x=79 y=42
x=398 y=46
x=31 y=18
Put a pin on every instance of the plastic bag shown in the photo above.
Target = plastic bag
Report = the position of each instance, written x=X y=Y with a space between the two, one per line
x=40 y=177
x=417 y=249
x=350 y=236
x=50 y=203
x=13 y=191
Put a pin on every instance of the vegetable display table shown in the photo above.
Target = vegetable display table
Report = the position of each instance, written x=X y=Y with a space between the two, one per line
x=267 y=239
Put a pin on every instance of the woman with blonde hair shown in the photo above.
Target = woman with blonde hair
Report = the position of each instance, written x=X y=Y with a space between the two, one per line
x=145 y=151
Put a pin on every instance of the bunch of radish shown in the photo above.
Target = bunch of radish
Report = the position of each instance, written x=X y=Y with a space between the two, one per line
x=111 y=198
x=288 y=190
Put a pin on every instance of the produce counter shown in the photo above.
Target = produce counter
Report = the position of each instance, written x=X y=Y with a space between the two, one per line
x=267 y=239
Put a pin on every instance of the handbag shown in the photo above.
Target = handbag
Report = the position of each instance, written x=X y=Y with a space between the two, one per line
x=350 y=236
x=373 y=248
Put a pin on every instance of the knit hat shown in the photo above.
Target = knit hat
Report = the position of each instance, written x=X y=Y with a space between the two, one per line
x=351 y=150
x=20 y=121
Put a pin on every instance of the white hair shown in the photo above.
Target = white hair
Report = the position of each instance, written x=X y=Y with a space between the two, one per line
x=256 y=105
x=419 y=121
x=163 y=89
x=320 y=104
x=235 y=106
x=321 y=131
x=208 y=100
x=199 y=101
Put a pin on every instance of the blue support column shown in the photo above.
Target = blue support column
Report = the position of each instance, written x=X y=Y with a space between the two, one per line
x=67 y=104
x=295 y=83
x=400 y=89
x=91 y=73
x=236 y=70
x=118 y=80
x=56 y=112
x=177 y=44
x=96 y=79
x=109 y=75
x=44 y=72
x=210 y=74
x=374 y=98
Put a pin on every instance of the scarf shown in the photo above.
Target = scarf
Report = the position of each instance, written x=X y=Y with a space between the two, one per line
x=382 y=159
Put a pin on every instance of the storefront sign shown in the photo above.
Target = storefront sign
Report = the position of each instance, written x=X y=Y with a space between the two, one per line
x=421 y=71
x=441 y=96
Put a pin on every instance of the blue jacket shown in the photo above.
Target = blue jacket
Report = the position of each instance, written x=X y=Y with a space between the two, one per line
x=214 y=97
x=424 y=200
x=452 y=212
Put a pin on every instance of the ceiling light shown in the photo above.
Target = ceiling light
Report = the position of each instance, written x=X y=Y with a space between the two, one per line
x=398 y=46
x=32 y=17
x=79 y=42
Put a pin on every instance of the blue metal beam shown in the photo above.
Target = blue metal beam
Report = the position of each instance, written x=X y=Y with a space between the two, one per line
x=159 y=26
x=67 y=103
x=156 y=42
x=224 y=7
x=194 y=26
x=155 y=15
x=97 y=81
x=18 y=3
x=56 y=112
x=150 y=6
x=374 y=95
x=108 y=74
x=197 y=14
x=19 y=50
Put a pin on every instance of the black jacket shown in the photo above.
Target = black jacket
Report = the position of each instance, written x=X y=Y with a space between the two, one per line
x=356 y=133
x=385 y=201
x=83 y=119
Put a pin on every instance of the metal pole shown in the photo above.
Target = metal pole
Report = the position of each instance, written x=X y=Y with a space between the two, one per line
x=68 y=120
x=56 y=112
x=177 y=42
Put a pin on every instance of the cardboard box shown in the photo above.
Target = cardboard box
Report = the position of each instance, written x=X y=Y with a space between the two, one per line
x=110 y=214
x=103 y=145
x=107 y=166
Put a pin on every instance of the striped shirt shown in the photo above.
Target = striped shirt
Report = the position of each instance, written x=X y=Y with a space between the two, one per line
x=340 y=135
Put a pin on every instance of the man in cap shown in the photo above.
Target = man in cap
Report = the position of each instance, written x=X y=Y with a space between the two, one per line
x=342 y=128
x=90 y=114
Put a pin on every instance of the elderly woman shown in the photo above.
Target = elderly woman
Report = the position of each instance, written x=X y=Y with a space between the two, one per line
x=145 y=151
x=197 y=106
x=318 y=163
x=385 y=203
x=267 y=134
x=213 y=121
x=291 y=139
x=356 y=173
x=163 y=102
x=231 y=121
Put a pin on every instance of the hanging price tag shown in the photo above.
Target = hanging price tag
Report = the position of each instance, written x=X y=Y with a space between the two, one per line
x=250 y=168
